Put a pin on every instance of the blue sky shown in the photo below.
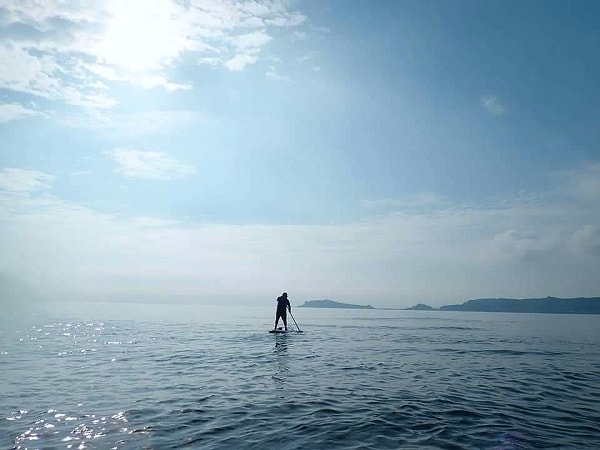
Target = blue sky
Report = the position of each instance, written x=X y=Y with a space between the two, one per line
x=385 y=152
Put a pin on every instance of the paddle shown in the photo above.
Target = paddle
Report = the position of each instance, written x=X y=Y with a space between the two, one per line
x=299 y=330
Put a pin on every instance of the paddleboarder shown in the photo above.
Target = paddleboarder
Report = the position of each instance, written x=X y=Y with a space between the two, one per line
x=283 y=305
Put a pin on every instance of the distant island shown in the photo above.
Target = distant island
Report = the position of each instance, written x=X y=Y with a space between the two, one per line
x=548 y=305
x=420 y=307
x=332 y=304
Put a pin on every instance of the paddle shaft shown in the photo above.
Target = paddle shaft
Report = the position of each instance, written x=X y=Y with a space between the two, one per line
x=295 y=321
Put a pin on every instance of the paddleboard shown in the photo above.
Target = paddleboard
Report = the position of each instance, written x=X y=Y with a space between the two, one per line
x=285 y=331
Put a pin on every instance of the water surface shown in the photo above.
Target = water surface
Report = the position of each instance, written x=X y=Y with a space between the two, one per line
x=157 y=376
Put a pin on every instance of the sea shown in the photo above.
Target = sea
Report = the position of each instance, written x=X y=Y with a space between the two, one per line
x=133 y=376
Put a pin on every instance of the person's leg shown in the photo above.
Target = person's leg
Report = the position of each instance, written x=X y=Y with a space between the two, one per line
x=284 y=318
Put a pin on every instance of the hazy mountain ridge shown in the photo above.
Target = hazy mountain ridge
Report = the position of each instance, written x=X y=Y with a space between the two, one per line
x=332 y=304
x=548 y=305
x=420 y=307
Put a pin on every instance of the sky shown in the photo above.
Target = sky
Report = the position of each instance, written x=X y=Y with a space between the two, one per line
x=391 y=152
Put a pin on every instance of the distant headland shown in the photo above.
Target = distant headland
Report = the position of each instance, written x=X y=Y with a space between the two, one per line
x=548 y=305
x=332 y=304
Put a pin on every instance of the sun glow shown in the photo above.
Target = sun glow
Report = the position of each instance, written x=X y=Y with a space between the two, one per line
x=142 y=35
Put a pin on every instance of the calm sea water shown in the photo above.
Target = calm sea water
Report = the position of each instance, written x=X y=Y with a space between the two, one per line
x=139 y=376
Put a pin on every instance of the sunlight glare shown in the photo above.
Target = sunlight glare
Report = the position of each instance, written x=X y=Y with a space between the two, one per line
x=142 y=35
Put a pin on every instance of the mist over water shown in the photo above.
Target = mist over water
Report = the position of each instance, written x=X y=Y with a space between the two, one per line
x=159 y=376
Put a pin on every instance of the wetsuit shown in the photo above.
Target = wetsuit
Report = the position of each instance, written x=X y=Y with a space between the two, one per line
x=282 y=305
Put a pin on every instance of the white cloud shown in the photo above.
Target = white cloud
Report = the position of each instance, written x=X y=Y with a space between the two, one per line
x=145 y=81
x=239 y=62
x=292 y=20
x=252 y=41
x=44 y=76
x=247 y=47
x=149 y=164
x=68 y=51
x=493 y=105
x=15 y=111
x=21 y=180
x=210 y=61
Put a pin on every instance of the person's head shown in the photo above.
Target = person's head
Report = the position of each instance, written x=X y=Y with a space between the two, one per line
x=284 y=294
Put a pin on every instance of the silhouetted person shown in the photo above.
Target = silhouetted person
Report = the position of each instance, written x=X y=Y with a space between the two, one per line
x=282 y=304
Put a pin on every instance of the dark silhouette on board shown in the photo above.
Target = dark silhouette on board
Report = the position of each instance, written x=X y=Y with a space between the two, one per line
x=283 y=305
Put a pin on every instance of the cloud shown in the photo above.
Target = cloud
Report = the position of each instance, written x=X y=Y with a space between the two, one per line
x=149 y=164
x=80 y=173
x=210 y=61
x=493 y=105
x=306 y=57
x=452 y=252
x=299 y=35
x=273 y=74
x=286 y=21
x=526 y=245
x=21 y=180
x=239 y=62
x=252 y=42
x=587 y=240
x=74 y=51
x=145 y=81
x=122 y=125
x=582 y=182
x=15 y=111
x=415 y=201
x=44 y=76
x=247 y=47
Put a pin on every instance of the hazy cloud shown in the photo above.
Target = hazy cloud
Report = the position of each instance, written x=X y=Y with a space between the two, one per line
x=416 y=201
x=21 y=180
x=149 y=164
x=583 y=181
x=15 y=111
x=120 y=125
x=587 y=240
x=299 y=35
x=273 y=74
x=493 y=105
x=526 y=245
x=516 y=248
x=306 y=57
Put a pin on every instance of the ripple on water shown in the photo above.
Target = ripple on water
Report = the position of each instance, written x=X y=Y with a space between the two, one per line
x=458 y=384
